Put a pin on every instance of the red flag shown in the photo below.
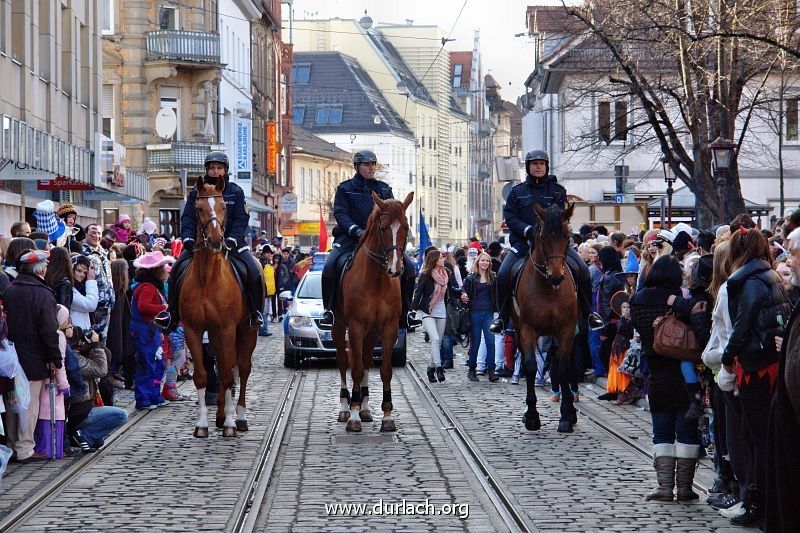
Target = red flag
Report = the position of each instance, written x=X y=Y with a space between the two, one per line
x=323 y=235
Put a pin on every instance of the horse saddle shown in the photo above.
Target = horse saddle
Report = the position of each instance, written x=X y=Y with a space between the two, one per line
x=518 y=267
x=343 y=264
x=239 y=271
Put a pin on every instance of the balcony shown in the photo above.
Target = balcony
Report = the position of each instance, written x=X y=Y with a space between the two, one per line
x=484 y=171
x=179 y=155
x=192 y=49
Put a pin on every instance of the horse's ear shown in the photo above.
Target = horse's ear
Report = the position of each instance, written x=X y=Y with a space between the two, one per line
x=539 y=211
x=380 y=203
x=407 y=201
x=199 y=184
x=220 y=186
x=569 y=210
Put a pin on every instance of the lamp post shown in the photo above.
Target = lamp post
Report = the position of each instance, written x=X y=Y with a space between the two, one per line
x=722 y=151
x=670 y=178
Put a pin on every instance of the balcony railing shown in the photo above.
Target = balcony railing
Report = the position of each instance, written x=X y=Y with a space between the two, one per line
x=179 y=45
x=173 y=157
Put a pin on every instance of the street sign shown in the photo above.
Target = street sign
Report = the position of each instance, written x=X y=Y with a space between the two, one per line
x=289 y=203
x=63 y=184
x=619 y=198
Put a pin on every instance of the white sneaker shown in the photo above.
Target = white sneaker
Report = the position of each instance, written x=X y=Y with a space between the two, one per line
x=733 y=512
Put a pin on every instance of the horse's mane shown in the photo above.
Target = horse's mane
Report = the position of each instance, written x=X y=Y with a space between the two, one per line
x=393 y=207
x=553 y=222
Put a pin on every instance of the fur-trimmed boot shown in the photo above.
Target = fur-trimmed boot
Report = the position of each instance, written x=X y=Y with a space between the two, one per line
x=664 y=463
x=686 y=456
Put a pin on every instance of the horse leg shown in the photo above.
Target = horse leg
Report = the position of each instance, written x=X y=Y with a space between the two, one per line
x=341 y=360
x=247 y=338
x=356 y=335
x=195 y=344
x=369 y=350
x=225 y=343
x=388 y=339
x=527 y=341
x=565 y=372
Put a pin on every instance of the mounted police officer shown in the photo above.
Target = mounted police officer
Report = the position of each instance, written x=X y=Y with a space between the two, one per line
x=352 y=207
x=236 y=222
x=540 y=188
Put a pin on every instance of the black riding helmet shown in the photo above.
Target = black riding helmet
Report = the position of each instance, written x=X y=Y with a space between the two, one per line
x=537 y=155
x=217 y=157
x=364 y=156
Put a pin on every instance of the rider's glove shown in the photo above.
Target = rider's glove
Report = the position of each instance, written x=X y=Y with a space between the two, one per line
x=231 y=244
x=529 y=233
x=188 y=244
x=359 y=232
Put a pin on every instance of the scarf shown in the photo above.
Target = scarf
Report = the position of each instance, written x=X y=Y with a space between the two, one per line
x=440 y=280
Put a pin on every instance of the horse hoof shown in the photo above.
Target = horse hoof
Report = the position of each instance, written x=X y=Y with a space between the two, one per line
x=388 y=426
x=365 y=416
x=220 y=422
x=531 y=423
x=565 y=426
x=200 y=433
x=241 y=425
x=344 y=416
x=228 y=431
x=353 y=426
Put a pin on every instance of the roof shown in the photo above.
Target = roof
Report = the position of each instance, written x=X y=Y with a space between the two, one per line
x=306 y=142
x=400 y=67
x=335 y=78
x=465 y=60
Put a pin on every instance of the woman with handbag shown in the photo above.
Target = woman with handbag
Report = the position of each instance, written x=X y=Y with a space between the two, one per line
x=668 y=400
x=480 y=294
x=759 y=309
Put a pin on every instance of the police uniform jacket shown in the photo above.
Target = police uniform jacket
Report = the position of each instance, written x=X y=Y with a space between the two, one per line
x=352 y=206
x=236 y=219
x=519 y=213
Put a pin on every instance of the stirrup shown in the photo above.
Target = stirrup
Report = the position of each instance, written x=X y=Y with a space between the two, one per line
x=595 y=322
x=326 y=321
x=497 y=326
x=256 y=319
x=412 y=320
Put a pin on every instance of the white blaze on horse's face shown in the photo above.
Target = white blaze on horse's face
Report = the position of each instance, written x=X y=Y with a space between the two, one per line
x=211 y=203
x=396 y=263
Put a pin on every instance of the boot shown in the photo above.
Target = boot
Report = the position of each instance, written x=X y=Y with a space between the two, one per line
x=499 y=324
x=472 y=376
x=408 y=319
x=753 y=514
x=664 y=463
x=492 y=376
x=431 y=374
x=686 y=455
x=440 y=374
x=328 y=286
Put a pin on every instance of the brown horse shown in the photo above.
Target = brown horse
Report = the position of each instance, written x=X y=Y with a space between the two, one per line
x=546 y=304
x=211 y=301
x=369 y=308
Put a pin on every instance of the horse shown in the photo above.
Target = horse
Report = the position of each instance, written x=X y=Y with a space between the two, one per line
x=546 y=304
x=369 y=307
x=211 y=301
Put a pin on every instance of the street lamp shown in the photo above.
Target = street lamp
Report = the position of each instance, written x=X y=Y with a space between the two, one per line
x=722 y=151
x=670 y=178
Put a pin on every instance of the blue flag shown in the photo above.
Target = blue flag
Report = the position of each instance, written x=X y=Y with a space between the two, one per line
x=424 y=240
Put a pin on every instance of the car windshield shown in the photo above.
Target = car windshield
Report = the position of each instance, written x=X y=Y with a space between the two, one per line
x=311 y=287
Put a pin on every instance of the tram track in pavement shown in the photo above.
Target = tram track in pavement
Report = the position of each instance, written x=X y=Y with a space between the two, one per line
x=504 y=503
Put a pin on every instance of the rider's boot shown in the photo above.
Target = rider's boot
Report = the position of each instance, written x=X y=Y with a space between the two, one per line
x=326 y=321
x=255 y=292
x=407 y=319
x=499 y=324
x=594 y=320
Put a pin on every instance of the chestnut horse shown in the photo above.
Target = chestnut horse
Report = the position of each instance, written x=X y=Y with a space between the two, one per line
x=211 y=301
x=546 y=304
x=369 y=307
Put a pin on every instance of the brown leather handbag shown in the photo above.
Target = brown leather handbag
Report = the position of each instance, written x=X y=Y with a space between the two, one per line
x=675 y=339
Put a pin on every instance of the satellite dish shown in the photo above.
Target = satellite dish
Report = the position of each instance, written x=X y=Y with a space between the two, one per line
x=166 y=123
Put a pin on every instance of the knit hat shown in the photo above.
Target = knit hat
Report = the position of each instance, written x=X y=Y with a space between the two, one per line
x=682 y=241
x=704 y=268
x=609 y=258
x=148 y=226
x=122 y=219
x=152 y=260
x=161 y=242
x=66 y=210
x=34 y=256
x=47 y=222
x=62 y=315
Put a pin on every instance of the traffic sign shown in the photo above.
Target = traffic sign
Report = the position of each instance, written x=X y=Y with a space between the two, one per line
x=618 y=199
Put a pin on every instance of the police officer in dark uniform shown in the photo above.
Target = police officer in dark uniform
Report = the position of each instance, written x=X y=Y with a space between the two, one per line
x=540 y=188
x=236 y=223
x=352 y=207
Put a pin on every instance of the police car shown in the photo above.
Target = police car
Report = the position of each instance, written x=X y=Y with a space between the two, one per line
x=304 y=340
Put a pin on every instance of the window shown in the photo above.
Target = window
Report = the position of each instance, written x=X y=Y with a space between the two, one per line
x=301 y=72
x=66 y=51
x=45 y=22
x=612 y=129
x=168 y=18
x=457 y=75
x=329 y=114
x=302 y=184
x=107 y=110
x=18 y=24
x=107 y=15
x=171 y=98
x=298 y=114
x=168 y=222
x=792 y=121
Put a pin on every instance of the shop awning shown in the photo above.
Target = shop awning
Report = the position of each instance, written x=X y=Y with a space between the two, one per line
x=257 y=207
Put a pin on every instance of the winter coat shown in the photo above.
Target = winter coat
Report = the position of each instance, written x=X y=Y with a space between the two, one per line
x=519 y=213
x=82 y=305
x=424 y=292
x=62 y=384
x=721 y=328
x=119 y=340
x=123 y=235
x=5 y=283
x=282 y=280
x=469 y=289
x=352 y=207
x=666 y=388
x=236 y=220
x=759 y=310
x=102 y=269
x=148 y=300
x=32 y=324
x=609 y=286
x=701 y=322
x=63 y=292
x=93 y=363
x=269 y=279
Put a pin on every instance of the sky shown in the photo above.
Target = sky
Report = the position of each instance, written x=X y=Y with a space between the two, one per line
x=507 y=58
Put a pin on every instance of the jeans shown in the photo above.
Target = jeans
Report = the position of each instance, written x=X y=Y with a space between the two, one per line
x=265 y=328
x=100 y=422
x=480 y=324
x=669 y=424
x=594 y=351
x=434 y=327
x=448 y=341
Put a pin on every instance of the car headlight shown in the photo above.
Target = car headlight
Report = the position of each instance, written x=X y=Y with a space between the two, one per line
x=300 y=322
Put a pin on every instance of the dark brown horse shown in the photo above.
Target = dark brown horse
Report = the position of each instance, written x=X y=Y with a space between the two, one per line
x=546 y=304
x=211 y=301
x=370 y=308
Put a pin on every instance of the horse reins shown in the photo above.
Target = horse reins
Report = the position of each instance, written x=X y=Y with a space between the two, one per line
x=382 y=258
x=542 y=268
x=202 y=229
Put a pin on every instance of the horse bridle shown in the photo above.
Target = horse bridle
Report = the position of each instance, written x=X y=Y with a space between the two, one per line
x=543 y=269
x=382 y=258
x=202 y=229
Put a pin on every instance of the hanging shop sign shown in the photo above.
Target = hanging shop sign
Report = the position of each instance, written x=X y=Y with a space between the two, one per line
x=63 y=184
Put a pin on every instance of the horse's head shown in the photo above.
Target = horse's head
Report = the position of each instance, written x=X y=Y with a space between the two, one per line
x=386 y=233
x=211 y=211
x=552 y=240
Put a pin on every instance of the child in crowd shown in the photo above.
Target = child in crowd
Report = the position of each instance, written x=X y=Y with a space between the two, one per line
x=43 y=436
x=618 y=382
